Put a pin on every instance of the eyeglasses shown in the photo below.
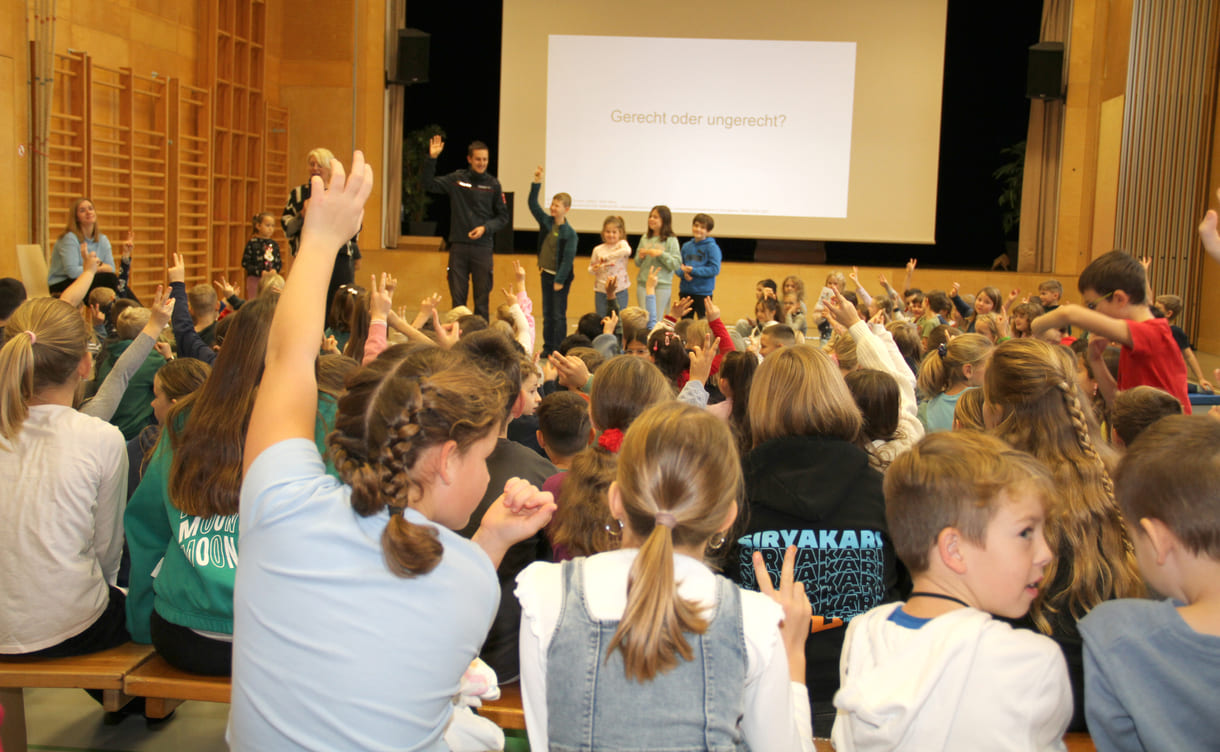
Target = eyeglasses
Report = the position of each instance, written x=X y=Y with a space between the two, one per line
x=1092 y=304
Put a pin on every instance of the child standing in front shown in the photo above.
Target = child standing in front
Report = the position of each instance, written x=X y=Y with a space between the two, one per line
x=1151 y=667
x=262 y=254
x=616 y=648
x=938 y=672
x=1115 y=310
x=609 y=260
x=700 y=264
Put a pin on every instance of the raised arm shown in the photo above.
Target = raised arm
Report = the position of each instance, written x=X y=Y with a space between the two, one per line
x=287 y=402
x=1064 y=316
x=108 y=396
x=75 y=293
x=910 y=277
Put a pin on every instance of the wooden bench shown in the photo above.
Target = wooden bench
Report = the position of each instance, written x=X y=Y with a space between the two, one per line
x=506 y=712
x=164 y=687
x=102 y=671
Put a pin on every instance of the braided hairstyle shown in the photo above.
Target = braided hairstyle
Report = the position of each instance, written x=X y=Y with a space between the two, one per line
x=394 y=411
x=1034 y=385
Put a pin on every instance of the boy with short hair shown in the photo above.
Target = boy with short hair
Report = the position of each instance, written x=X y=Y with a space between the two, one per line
x=202 y=301
x=1115 y=310
x=1139 y=407
x=700 y=264
x=1151 y=667
x=775 y=338
x=556 y=251
x=564 y=427
x=1171 y=306
x=1050 y=292
x=965 y=513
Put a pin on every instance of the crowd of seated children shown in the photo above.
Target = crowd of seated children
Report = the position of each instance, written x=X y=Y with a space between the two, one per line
x=1034 y=404
x=617 y=647
x=936 y=671
x=1151 y=666
x=422 y=433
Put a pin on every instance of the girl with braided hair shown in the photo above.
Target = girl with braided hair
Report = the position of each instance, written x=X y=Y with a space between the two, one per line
x=357 y=608
x=617 y=648
x=1033 y=402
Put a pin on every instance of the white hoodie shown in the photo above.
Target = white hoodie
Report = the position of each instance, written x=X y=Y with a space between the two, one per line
x=962 y=681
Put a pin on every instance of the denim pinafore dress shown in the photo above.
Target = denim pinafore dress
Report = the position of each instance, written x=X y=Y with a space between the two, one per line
x=695 y=707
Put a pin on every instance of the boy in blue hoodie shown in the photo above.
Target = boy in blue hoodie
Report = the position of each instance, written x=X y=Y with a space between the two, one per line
x=700 y=264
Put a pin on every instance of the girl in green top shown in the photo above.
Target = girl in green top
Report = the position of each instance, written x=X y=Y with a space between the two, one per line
x=658 y=248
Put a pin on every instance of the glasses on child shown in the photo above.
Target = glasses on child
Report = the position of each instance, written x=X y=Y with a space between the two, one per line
x=1092 y=304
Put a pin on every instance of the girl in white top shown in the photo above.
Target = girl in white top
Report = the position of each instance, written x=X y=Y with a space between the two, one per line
x=609 y=261
x=63 y=482
x=356 y=607
x=677 y=483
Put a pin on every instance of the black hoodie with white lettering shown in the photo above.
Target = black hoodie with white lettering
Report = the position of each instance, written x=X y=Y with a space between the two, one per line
x=821 y=495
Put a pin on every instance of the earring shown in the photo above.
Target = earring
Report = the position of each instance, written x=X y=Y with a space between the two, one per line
x=717 y=542
x=615 y=531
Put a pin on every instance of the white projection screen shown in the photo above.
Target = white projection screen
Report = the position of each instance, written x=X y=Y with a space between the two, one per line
x=802 y=119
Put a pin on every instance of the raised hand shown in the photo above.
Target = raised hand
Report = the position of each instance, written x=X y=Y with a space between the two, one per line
x=88 y=259
x=161 y=309
x=570 y=371
x=610 y=322
x=381 y=296
x=679 y=307
x=611 y=286
x=435 y=146
x=129 y=244
x=164 y=349
x=881 y=279
x=855 y=275
x=335 y=214
x=177 y=272
x=225 y=289
x=650 y=284
x=955 y=290
x=798 y=613
x=701 y=359
x=538 y=174
x=95 y=313
x=446 y=336
x=330 y=345
x=1208 y=233
x=521 y=511
x=429 y=304
x=710 y=309
x=911 y=264
x=518 y=275
x=842 y=312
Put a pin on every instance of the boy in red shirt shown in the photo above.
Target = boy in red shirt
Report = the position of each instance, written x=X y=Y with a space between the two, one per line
x=1116 y=310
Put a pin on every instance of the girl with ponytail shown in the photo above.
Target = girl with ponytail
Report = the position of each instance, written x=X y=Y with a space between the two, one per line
x=356 y=607
x=616 y=647
x=946 y=373
x=1033 y=402
x=63 y=477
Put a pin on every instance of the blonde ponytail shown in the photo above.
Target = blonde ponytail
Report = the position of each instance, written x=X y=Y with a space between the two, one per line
x=45 y=340
x=679 y=477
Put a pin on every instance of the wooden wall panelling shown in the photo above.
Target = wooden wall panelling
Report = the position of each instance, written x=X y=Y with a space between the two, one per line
x=190 y=158
x=275 y=169
x=110 y=143
x=68 y=153
x=150 y=204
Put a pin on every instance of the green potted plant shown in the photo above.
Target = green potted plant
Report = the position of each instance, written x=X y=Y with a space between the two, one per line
x=1010 y=175
x=415 y=198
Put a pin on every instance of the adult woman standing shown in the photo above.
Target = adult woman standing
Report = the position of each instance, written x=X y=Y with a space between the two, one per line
x=348 y=259
x=83 y=230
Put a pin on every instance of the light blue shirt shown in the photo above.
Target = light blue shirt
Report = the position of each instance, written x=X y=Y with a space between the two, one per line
x=1150 y=679
x=937 y=413
x=331 y=650
x=65 y=259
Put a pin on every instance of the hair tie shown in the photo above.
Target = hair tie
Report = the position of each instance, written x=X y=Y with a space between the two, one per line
x=610 y=440
x=33 y=337
x=942 y=349
x=666 y=519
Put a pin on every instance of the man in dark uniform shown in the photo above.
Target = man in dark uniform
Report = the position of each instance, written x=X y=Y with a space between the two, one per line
x=477 y=211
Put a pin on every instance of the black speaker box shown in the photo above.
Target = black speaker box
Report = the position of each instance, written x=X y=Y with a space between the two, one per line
x=1044 y=79
x=413 y=49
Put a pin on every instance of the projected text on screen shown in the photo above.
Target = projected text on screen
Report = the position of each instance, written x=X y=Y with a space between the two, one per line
x=722 y=126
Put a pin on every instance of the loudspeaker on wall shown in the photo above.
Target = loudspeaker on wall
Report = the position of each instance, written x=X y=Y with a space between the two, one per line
x=413 y=50
x=1044 y=78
